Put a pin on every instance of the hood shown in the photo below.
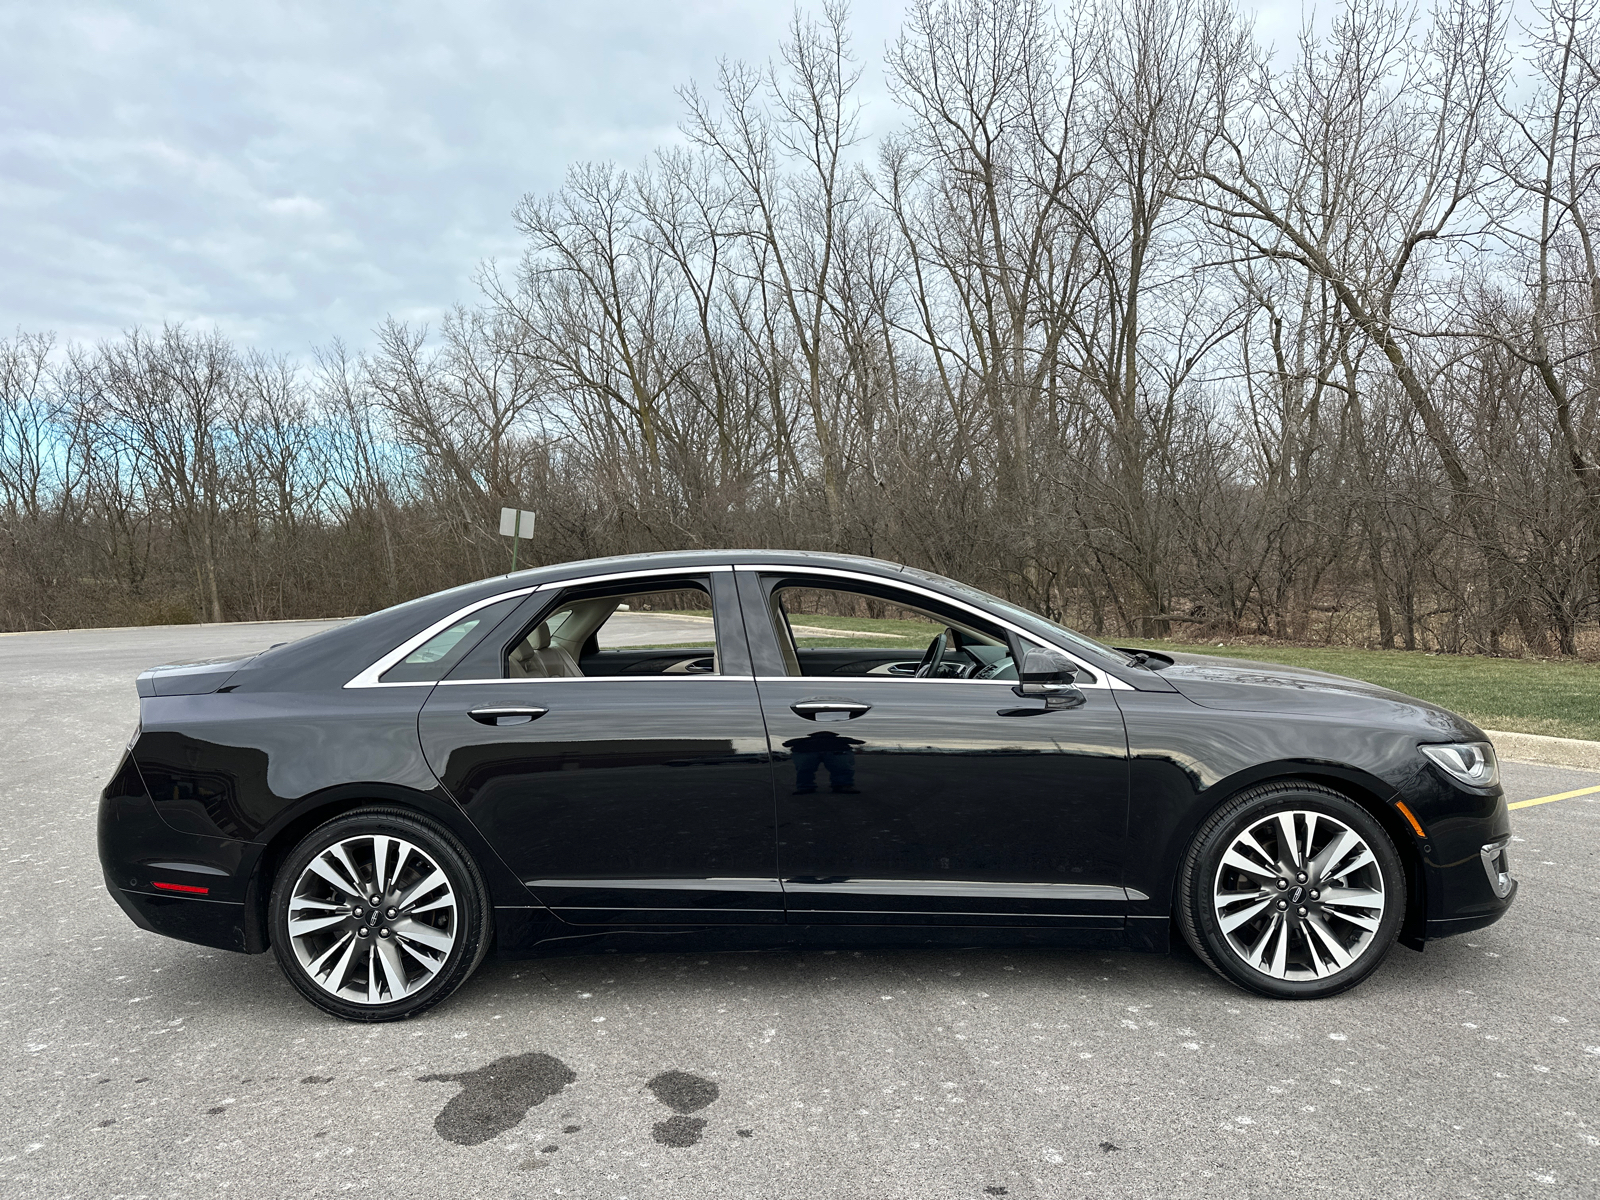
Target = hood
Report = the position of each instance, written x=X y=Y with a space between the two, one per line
x=189 y=679
x=1246 y=686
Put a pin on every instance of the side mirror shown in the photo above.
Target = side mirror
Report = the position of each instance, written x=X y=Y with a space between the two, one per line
x=1046 y=672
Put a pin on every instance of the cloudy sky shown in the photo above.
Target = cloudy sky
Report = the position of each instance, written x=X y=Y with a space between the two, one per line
x=293 y=171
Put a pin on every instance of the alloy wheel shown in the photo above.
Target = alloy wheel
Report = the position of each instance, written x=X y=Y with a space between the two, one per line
x=372 y=919
x=1299 y=895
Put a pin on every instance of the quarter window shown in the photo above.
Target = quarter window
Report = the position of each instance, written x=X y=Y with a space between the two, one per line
x=433 y=659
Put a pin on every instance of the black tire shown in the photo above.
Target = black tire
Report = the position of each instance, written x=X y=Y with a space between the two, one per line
x=411 y=943
x=1211 y=891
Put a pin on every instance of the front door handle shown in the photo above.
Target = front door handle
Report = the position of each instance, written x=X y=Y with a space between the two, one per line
x=512 y=715
x=829 y=708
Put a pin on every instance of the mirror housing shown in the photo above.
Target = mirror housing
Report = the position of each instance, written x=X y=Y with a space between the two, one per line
x=1046 y=672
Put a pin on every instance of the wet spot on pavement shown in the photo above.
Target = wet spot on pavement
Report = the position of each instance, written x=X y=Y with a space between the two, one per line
x=683 y=1093
x=221 y=1108
x=497 y=1097
x=745 y=1132
x=1108 y=1147
x=994 y=1191
x=317 y=1079
x=108 y=1123
x=571 y=1128
x=678 y=1132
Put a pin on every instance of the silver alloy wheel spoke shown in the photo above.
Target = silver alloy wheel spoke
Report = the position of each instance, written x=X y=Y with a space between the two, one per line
x=332 y=875
x=421 y=888
x=1240 y=915
x=1238 y=861
x=347 y=942
x=311 y=924
x=1318 y=926
x=1290 y=840
x=426 y=935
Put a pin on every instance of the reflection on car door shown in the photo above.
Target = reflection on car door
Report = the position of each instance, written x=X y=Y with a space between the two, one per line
x=621 y=799
x=941 y=801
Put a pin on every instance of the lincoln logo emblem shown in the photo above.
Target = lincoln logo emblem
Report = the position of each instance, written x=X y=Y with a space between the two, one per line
x=1297 y=895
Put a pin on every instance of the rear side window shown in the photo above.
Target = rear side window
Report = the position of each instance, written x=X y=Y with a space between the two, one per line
x=620 y=630
x=434 y=658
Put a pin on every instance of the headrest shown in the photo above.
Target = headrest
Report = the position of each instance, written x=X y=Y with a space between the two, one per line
x=540 y=637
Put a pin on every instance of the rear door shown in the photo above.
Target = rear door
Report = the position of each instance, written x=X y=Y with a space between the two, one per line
x=610 y=745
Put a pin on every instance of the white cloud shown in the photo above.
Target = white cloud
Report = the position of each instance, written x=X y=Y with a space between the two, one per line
x=294 y=170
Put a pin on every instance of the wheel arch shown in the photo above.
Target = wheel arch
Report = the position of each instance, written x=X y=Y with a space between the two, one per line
x=1370 y=793
x=281 y=837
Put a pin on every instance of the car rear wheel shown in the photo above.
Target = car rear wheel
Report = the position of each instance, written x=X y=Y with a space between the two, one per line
x=378 y=915
x=1292 y=891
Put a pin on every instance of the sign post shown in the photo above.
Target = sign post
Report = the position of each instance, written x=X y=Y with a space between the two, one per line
x=516 y=524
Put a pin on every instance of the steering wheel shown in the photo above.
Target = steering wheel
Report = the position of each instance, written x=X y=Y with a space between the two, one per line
x=933 y=656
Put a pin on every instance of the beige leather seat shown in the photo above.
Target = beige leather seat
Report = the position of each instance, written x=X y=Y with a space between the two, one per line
x=536 y=658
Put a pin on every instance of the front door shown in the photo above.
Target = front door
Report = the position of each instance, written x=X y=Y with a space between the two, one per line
x=608 y=742
x=943 y=799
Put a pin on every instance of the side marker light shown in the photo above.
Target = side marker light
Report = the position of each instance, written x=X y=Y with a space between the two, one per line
x=186 y=888
x=1409 y=816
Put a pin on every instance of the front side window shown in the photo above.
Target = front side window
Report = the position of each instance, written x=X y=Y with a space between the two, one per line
x=593 y=633
x=1027 y=618
x=877 y=631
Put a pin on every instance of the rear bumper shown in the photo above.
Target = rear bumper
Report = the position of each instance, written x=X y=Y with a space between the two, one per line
x=216 y=923
x=138 y=850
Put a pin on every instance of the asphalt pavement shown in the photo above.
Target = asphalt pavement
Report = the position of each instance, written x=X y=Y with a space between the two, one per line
x=140 y=1066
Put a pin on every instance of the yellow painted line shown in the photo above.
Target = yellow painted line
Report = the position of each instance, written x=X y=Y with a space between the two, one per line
x=1557 y=796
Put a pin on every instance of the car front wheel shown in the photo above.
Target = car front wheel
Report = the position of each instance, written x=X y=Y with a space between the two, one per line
x=378 y=915
x=1292 y=891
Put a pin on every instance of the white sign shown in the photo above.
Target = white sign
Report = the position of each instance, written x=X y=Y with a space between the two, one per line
x=509 y=526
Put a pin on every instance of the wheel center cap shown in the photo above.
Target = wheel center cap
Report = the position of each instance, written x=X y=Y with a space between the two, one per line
x=1297 y=894
x=372 y=917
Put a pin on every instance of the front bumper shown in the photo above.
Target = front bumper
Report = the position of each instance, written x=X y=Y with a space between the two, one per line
x=1468 y=868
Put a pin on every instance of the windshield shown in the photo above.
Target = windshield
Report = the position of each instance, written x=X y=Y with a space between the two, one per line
x=1027 y=618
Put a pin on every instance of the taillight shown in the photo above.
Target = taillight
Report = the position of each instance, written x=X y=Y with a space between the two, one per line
x=188 y=889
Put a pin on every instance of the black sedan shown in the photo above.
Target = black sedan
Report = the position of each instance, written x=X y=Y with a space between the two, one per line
x=764 y=748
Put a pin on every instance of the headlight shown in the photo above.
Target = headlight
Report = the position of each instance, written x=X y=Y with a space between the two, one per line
x=1471 y=763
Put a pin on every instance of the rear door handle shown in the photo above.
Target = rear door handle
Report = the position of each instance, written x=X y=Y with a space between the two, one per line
x=513 y=715
x=847 y=710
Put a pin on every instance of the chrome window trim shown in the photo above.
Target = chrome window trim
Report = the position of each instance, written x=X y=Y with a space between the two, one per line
x=649 y=572
x=596 y=679
x=369 y=678
x=846 y=680
x=1104 y=679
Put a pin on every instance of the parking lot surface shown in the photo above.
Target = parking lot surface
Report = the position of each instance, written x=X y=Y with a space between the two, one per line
x=140 y=1066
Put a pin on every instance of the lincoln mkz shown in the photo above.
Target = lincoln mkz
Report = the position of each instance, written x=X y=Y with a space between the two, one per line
x=759 y=749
